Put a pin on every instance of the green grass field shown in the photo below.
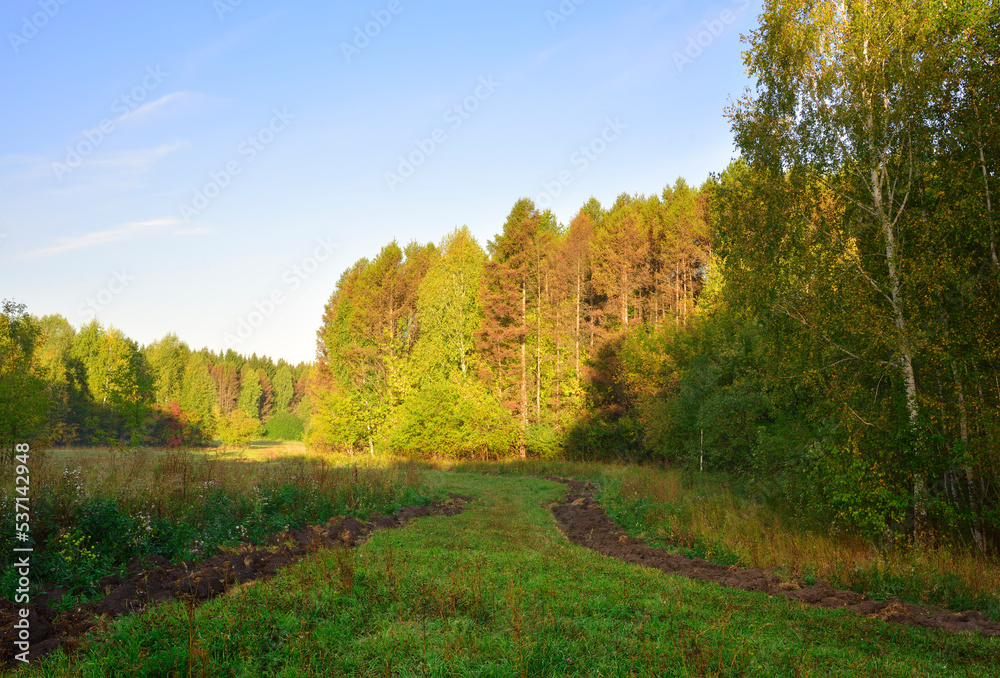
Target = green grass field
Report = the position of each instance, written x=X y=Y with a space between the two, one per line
x=498 y=591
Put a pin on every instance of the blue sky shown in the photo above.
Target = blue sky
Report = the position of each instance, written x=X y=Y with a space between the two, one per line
x=210 y=167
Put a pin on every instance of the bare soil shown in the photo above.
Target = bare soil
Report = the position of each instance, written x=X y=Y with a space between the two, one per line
x=154 y=579
x=586 y=524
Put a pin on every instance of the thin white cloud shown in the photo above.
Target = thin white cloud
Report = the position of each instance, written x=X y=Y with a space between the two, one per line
x=146 y=109
x=24 y=168
x=101 y=237
x=139 y=159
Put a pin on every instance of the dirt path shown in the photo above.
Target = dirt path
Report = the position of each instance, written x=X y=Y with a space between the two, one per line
x=586 y=524
x=156 y=580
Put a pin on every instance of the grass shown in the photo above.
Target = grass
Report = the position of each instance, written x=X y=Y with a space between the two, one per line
x=271 y=450
x=706 y=518
x=262 y=450
x=498 y=591
x=702 y=516
x=94 y=510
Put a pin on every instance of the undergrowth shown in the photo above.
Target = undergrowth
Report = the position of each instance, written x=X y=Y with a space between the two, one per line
x=497 y=591
x=706 y=518
x=713 y=516
x=91 y=514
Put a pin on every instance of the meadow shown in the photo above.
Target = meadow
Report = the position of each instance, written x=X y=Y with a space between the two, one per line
x=497 y=590
x=712 y=516
x=94 y=510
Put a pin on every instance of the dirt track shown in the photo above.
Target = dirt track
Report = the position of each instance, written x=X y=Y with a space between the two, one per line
x=586 y=524
x=157 y=580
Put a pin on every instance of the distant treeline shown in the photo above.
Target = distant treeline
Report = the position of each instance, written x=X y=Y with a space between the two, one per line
x=96 y=386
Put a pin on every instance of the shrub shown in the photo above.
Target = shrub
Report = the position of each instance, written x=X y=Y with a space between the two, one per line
x=173 y=427
x=543 y=441
x=453 y=419
x=238 y=428
x=284 y=426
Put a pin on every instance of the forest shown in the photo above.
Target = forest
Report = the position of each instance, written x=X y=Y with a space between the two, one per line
x=94 y=386
x=819 y=319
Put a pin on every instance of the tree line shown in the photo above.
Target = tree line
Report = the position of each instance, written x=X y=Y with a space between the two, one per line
x=819 y=319
x=96 y=386
x=859 y=231
x=453 y=349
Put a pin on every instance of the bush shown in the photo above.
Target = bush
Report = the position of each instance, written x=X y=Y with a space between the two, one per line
x=543 y=441
x=173 y=427
x=238 y=429
x=284 y=426
x=455 y=420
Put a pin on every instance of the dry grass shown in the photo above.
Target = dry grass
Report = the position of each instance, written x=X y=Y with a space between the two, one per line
x=711 y=517
x=170 y=481
x=701 y=514
x=113 y=505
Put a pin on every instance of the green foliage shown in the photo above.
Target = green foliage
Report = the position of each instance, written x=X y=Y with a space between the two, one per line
x=178 y=506
x=168 y=359
x=118 y=378
x=284 y=426
x=478 y=594
x=96 y=386
x=370 y=325
x=543 y=442
x=251 y=392
x=64 y=377
x=72 y=559
x=713 y=516
x=457 y=420
x=198 y=394
x=865 y=143
x=337 y=424
x=238 y=429
x=448 y=308
x=284 y=388
x=24 y=400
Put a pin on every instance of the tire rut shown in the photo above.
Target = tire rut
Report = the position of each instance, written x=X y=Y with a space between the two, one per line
x=153 y=579
x=586 y=524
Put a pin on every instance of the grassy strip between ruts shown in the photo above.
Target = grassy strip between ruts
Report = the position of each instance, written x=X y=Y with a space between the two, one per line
x=497 y=591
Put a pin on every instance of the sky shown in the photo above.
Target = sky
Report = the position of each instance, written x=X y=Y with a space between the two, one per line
x=211 y=167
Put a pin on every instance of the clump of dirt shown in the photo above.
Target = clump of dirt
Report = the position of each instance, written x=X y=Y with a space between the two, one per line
x=586 y=524
x=154 y=579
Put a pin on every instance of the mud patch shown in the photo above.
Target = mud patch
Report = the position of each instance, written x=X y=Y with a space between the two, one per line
x=154 y=579
x=586 y=524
